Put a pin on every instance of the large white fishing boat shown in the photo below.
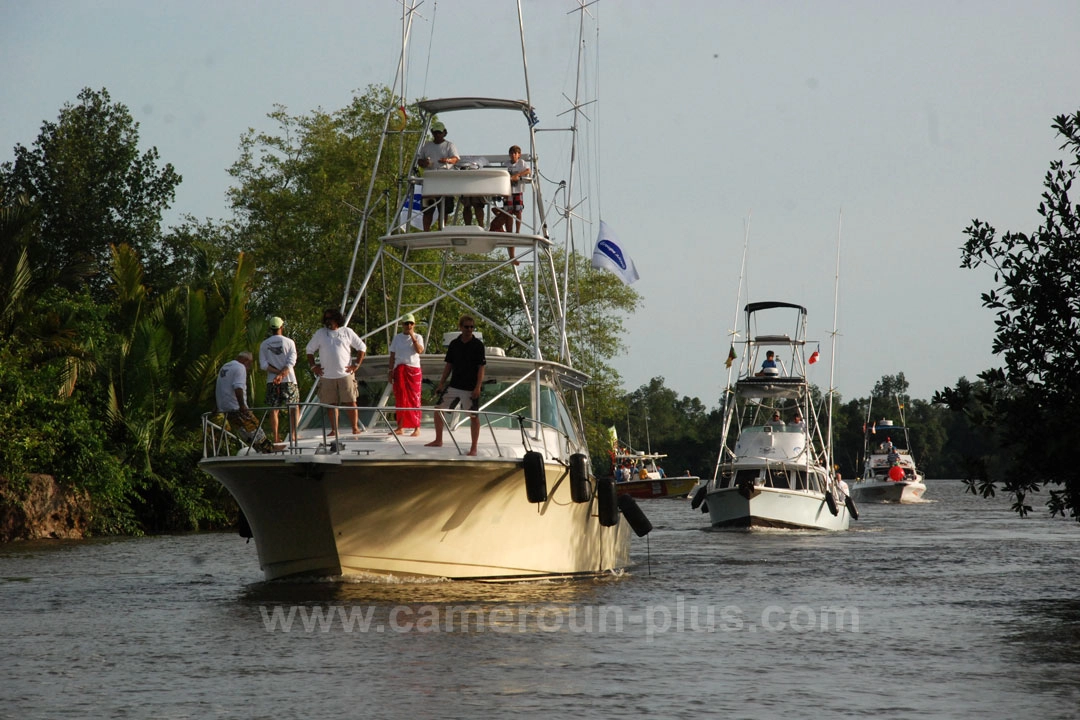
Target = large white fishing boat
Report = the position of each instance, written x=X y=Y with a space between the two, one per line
x=774 y=468
x=889 y=472
x=525 y=505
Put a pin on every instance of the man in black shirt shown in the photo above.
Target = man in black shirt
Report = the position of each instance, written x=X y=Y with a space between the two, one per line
x=465 y=363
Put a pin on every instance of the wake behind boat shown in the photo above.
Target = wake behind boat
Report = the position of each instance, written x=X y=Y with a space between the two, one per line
x=773 y=469
x=524 y=506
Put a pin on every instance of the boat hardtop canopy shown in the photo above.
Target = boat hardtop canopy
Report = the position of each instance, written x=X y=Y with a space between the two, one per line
x=770 y=304
x=799 y=337
x=442 y=105
x=639 y=455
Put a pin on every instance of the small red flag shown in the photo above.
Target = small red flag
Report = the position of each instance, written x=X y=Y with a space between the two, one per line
x=814 y=357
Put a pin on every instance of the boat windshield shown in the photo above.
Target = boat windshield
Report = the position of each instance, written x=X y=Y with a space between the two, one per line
x=792 y=428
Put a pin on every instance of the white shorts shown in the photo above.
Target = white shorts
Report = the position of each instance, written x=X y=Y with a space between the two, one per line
x=454 y=398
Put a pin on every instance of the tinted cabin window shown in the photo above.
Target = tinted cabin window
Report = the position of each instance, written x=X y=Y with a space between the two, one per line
x=778 y=479
x=749 y=475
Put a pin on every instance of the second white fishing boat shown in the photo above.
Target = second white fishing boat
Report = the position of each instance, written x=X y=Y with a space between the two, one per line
x=773 y=470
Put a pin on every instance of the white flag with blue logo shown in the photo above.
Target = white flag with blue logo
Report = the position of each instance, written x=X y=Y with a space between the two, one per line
x=609 y=255
x=416 y=216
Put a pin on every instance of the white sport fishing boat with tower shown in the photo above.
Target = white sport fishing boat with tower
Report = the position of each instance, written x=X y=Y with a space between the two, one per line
x=889 y=472
x=774 y=473
x=525 y=506
x=774 y=469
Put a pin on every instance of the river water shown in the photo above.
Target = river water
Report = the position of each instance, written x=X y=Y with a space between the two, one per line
x=953 y=608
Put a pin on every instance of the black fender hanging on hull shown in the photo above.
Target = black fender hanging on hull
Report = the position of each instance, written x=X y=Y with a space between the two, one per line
x=580 y=489
x=634 y=515
x=607 y=503
x=831 y=502
x=535 y=477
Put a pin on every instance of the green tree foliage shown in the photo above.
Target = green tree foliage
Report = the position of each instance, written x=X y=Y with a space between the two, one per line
x=104 y=381
x=655 y=417
x=1036 y=298
x=891 y=387
x=92 y=188
x=298 y=199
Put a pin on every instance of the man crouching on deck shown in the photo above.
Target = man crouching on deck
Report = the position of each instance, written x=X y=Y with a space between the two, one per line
x=465 y=358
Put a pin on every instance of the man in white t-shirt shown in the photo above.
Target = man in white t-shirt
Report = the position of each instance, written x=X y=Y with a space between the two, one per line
x=277 y=356
x=335 y=368
x=438 y=154
x=231 y=395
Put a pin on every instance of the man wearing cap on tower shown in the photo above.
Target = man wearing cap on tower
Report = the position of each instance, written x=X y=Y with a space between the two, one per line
x=437 y=154
x=277 y=356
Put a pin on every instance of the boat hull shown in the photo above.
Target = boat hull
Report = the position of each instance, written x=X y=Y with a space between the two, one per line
x=465 y=519
x=888 y=491
x=657 y=488
x=774 y=508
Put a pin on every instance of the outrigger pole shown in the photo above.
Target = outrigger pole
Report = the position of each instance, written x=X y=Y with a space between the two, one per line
x=734 y=333
x=397 y=100
x=832 y=352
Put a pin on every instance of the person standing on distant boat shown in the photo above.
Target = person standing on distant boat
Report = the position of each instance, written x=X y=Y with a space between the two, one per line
x=406 y=375
x=798 y=423
x=465 y=361
x=231 y=395
x=335 y=369
x=277 y=356
x=439 y=154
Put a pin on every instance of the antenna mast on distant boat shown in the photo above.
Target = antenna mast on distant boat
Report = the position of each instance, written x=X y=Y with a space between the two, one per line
x=734 y=333
x=832 y=352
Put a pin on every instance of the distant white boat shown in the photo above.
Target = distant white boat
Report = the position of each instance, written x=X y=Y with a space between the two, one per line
x=889 y=472
x=773 y=473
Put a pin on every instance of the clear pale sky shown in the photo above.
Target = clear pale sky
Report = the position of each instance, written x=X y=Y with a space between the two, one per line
x=909 y=118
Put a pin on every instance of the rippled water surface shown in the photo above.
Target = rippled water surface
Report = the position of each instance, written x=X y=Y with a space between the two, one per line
x=954 y=608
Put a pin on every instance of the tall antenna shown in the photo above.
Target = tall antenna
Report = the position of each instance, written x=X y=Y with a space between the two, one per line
x=573 y=164
x=734 y=333
x=832 y=353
